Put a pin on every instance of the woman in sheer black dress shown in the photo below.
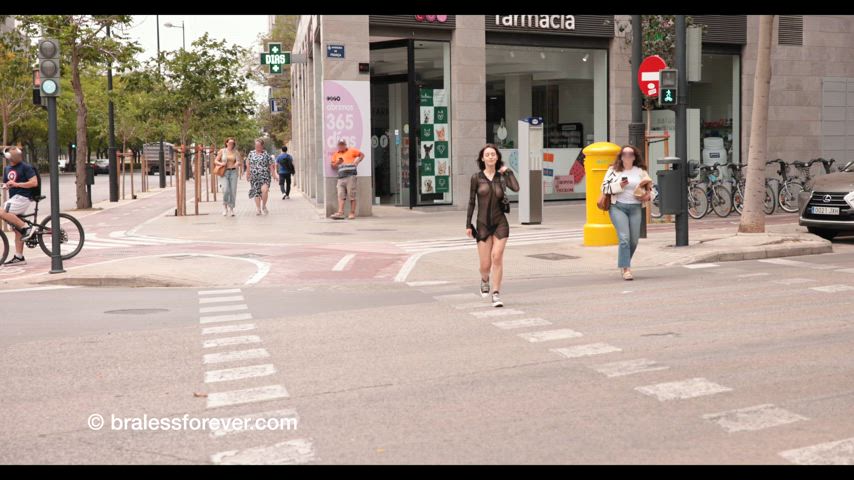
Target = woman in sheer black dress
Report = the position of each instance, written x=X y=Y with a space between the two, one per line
x=491 y=229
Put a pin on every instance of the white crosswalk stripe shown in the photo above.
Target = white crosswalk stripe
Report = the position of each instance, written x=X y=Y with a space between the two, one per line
x=95 y=242
x=285 y=453
x=520 y=238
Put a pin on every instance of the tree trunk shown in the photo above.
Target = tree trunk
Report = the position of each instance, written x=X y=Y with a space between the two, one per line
x=5 y=128
x=753 y=217
x=82 y=140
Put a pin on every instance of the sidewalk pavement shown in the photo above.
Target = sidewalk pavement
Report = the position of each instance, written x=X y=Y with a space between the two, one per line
x=295 y=224
x=571 y=257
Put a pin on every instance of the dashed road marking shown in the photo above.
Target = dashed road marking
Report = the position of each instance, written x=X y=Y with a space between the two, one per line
x=793 y=281
x=225 y=318
x=685 y=389
x=246 y=395
x=549 y=335
x=629 y=367
x=472 y=305
x=797 y=263
x=427 y=283
x=234 y=356
x=701 y=265
x=457 y=297
x=339 y=267
x=749 y=275
x=239 y=373
x=223 y=308
x=219 y=292
x=586 y=350
x=498 y=312
x=840 y=452
x=833 y=288
x=753 y=418
x=525 y=322
x=235 y=298
x=284 y=453
x=229 y=328
x=227 y=341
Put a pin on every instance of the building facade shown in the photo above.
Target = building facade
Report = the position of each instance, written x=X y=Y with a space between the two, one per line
x=421 y=94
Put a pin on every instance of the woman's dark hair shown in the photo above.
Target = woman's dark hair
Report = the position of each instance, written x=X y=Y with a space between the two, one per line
x=639 y=162
x=230 y=139
x=482 y=165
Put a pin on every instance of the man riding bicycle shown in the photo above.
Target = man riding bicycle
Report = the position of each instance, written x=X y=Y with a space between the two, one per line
x=20 y=179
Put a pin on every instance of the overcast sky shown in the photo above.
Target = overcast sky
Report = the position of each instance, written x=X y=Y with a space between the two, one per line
x=243 y=30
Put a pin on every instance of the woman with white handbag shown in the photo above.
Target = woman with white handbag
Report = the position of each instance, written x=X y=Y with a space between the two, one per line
x=629 y=186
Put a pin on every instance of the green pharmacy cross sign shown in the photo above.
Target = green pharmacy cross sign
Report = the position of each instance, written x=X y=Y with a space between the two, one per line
x=275 y=57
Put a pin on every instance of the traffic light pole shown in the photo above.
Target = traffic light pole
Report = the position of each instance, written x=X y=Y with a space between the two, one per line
x=682 y=128
x=52 y=151
x=636 y=127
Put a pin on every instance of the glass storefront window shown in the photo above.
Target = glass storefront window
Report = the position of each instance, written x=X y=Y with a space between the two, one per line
x=433 y=79
x=394 y=130
x=567 y=87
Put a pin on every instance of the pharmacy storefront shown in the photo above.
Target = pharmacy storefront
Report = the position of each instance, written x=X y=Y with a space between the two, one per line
x=554 y=67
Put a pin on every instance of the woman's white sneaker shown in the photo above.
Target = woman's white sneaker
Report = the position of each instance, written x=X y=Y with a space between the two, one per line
x=496 y=300
x=484 y=288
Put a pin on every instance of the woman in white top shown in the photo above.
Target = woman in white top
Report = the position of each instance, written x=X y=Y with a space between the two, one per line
x=629 y=185
x=229 y=158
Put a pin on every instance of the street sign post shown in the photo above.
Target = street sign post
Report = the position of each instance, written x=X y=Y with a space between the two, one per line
x=648 y=77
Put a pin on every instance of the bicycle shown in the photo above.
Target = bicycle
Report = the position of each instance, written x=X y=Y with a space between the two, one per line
x=802 y=183
x=712 y=196
x=70 y=233
x=770 y=203
x=655 y=204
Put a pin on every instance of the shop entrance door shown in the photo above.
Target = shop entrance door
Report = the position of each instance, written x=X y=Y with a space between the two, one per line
x=410 y=122
x=391 y=137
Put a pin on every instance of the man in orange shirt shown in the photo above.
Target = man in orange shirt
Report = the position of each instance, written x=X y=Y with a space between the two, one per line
x=345 y=160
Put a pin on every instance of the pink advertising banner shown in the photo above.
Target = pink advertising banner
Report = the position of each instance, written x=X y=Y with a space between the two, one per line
x=346 y=115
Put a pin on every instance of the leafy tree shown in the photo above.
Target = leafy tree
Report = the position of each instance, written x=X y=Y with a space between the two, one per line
x=83 y=43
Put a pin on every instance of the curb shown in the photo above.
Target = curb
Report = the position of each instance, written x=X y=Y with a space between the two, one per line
x=758 y=253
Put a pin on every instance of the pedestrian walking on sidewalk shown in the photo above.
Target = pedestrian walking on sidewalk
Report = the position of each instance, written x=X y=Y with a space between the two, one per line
x=345 y=160
x=629 y=184
x=228 y=158
x=286 y=168
x=258 y=172
x=488 y=189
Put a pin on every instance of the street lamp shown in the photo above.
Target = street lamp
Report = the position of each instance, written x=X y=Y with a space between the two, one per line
x=183 y=39
x=161 y=161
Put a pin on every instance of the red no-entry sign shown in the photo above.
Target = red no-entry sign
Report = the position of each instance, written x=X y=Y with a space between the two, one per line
x=648 y=75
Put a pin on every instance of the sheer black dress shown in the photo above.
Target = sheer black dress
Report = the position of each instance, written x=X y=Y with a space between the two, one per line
x=489 y=193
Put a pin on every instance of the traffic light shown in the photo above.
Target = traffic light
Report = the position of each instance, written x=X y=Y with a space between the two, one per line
x=49 y=67
x=668 y=80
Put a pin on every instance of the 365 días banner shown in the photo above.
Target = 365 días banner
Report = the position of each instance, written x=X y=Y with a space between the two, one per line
x=346 y=115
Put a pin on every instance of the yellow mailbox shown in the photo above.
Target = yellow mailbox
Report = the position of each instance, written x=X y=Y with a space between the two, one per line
x=598 y=230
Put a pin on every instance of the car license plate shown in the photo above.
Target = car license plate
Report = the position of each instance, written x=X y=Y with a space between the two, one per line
x=825 y=210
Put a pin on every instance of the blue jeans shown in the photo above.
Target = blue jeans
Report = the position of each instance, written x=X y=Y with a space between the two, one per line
x=229 y=187
x=627 y=220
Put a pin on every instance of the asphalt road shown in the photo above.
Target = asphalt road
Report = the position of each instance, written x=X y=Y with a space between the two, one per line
x=736 y=363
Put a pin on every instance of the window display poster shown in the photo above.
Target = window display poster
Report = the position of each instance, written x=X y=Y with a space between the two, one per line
x=346 y=115
x=563 y=175
x=434 y=147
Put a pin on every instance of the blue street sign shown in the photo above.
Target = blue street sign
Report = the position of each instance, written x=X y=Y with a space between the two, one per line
x=335 y=51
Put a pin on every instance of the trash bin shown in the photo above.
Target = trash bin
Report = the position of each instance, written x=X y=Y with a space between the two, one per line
x=598 y=231
x=90 y=174
x=671 y=188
